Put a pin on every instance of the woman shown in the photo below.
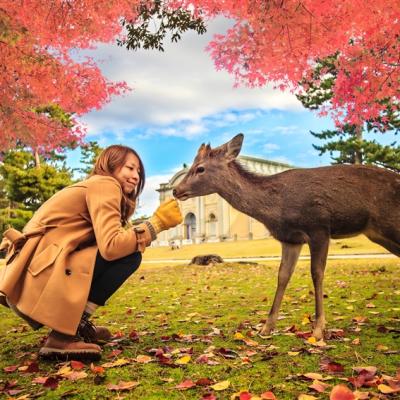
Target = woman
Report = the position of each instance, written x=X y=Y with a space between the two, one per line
x=75 y=253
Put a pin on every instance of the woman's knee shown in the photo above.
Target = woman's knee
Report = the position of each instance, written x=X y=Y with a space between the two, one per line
x=131 y=261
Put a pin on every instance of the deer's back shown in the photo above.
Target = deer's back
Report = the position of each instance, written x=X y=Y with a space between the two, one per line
x=344 y=199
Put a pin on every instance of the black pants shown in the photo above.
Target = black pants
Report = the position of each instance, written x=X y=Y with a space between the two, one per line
x=108 y=276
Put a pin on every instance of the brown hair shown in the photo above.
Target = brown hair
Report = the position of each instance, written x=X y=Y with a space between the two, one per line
x=110 y=160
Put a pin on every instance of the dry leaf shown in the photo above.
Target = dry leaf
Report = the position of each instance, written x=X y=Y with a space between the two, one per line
x=306 y=397
x=221 y=385
x=385 y=389
x=122 y=385
x=143 y=359
x=341 y=392
x=268 y=396
x=183 y=360
x=185 y=385
x=319 y=386
x=117 y=363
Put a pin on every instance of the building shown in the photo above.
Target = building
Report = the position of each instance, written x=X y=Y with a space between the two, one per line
x=210 y=218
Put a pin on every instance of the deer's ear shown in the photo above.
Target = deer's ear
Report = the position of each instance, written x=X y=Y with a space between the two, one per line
x=233 y=147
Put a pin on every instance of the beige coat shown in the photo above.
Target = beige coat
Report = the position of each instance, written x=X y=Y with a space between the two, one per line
x=49 y=279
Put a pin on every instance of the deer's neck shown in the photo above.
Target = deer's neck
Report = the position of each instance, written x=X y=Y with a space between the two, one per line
x=249 y=193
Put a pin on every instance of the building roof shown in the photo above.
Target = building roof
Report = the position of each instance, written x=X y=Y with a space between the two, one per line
x=247 y=161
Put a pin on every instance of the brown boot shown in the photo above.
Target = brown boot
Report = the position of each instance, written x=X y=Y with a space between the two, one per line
x=91 y=333
x=67 y=347
x=102 y=334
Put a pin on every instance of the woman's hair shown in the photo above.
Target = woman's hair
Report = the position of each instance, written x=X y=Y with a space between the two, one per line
x=110 y=160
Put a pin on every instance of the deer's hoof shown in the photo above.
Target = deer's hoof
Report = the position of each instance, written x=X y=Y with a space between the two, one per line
x=318 y=333
x=266 y=330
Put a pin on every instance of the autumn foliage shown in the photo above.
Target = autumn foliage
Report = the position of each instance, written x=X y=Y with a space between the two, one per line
x=280 y=40
x=38 y=68
x=275 y=41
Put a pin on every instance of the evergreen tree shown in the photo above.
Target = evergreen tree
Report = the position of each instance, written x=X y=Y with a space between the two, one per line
x=347 y=144
x=25 y=185
x=89 y=153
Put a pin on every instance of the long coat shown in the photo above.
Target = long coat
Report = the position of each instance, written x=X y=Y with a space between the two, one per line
x=49 y=278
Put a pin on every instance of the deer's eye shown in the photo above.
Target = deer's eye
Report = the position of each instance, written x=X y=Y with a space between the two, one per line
x=200 y=170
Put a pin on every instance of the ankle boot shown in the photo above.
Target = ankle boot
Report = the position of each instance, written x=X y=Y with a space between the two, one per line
x=66 y=347
x=91 y=333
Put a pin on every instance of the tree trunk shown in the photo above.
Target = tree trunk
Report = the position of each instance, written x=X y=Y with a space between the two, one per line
x=37 y=159
x=358 y=159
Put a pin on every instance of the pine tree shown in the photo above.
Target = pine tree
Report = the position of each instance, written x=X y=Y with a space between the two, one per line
x=24 y=185
x=347 y=143
x=89 y=153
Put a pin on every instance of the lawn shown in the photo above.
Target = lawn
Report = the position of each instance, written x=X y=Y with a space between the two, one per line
x=190 y=332
x=258 y=248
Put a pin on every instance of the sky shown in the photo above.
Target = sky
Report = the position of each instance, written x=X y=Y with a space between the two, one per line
x=179 y=100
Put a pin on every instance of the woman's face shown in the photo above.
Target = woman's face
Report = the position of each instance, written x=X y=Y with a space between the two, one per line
x=128 y=174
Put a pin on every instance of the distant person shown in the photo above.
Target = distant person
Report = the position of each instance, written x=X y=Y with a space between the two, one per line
x=77 y=251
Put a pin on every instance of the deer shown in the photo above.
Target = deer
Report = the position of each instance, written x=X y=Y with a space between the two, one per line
x=301 y=206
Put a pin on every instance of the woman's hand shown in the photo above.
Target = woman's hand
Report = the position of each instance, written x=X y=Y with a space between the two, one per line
x=166 y=216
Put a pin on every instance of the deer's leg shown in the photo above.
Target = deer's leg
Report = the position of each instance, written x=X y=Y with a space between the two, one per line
x=319 y=244
x=290 y=255
x=388 y=244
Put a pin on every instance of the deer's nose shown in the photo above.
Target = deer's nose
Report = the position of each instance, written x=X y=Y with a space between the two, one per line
x=174 y=192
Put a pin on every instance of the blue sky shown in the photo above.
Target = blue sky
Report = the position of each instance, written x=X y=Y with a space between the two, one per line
x=179 y=101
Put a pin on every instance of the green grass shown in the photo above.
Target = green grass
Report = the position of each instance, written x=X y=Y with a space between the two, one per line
x=161 y=301
x=258 y=248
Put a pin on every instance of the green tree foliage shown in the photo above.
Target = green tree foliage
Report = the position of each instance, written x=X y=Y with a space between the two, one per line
x=155 y=21
x=31 y=186
x=89 y=153
x=24 y=186
x=347 y=144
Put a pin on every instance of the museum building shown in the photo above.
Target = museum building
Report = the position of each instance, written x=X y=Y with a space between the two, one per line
x=210 y=218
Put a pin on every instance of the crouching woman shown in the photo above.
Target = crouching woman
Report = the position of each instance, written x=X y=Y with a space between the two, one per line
x=76 y=252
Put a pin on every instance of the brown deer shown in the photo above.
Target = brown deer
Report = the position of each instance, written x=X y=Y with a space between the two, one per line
x=302 y=206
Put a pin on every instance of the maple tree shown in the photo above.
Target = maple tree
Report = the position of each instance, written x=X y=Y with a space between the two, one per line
x=41 y=69
x=38 y=70
x=279 y=41
x=271 y=41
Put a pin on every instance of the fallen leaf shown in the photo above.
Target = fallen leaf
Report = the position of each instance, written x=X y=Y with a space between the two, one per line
x=185 y=385
x=96 y=369
x=268 y=396
x=221 y=385
x=117 y=363
x=381 y=347
x=76 y=375
x=306 y=397
x=143 y=359
x=77 y=365
x=204 y=382
x=361 y=395
x=183 y=360
x=385 y=389
x=319 y=386
x=331 y=366
x=208 y=396
x=11 y=368
x=122 y=385
x=238 y=336
x=314 y=376
x=341 y=392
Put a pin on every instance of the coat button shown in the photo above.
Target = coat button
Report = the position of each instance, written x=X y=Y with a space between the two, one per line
x=68 y=272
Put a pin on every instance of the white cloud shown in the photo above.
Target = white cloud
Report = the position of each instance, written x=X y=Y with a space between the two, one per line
x=181 y=84
x=286 y=129
x=270 y=147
